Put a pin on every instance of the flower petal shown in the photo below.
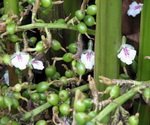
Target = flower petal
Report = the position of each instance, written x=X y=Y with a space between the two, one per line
x=127 y=54
x=87 y=58
x=37 y=64
x=20 y=60
x=134 y=9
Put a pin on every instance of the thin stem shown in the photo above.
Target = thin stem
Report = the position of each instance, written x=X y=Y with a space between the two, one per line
x=51 y=26
x=36 y=111
x=81 y=88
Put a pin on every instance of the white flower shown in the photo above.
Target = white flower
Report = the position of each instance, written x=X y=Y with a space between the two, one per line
x=20 y=60
x=87 y=58
x=127 y=54
x=134 y=9
x=37 y=64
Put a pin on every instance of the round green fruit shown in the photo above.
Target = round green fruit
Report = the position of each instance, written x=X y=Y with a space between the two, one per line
x=79 y=106
x=79 y=14
x=39 y=47
x=80 y=68
x=56 y=76
x=8 y=102
x=56 y=45
x=67 y=57
x=133 y=120
x=42 y=86
x=6 y=59
x=35 y=97
x=41 y=122
x=115 y=91
x=63 y=95
x=63 y=79
x=4 y=120
x=46 y=3
x=53 y=99
x=88 y=103
x=13 y=38
x=42 y=96
x=50 y=71
x=89 y=20
x=17 y=87
x=64 y=109
x=82 y=28
x=32 y=41
x=91 y=10
x=15 y=103
x=81 y=118
x=72 y=48
x=69 y=73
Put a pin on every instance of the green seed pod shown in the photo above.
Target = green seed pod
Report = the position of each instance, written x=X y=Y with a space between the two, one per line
x=115 y=91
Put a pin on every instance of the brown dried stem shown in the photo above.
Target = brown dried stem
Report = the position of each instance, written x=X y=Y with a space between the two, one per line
x=94 y=92
x=108 y=81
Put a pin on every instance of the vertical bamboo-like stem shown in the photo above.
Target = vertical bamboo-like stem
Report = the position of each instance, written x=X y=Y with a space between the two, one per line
x=107 y=39
x=11 y=8
x=144 y=64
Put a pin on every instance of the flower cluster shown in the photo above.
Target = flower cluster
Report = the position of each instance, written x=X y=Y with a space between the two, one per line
x=134 y=9
x=21 y=60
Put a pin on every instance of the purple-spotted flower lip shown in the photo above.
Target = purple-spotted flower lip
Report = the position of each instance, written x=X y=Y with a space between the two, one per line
x=127 y=54
x=20 y=60
x=37 y=64
x=87 y=58
x=134 y=9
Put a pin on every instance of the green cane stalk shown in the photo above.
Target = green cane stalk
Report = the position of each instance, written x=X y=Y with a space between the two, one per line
x=108 y=39
x=144 y=64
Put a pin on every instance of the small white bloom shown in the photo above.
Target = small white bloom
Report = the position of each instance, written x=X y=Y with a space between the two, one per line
x=87 y=58
x=37 y=64
x=134 y=9
x=127 y=54
x=20 y=60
